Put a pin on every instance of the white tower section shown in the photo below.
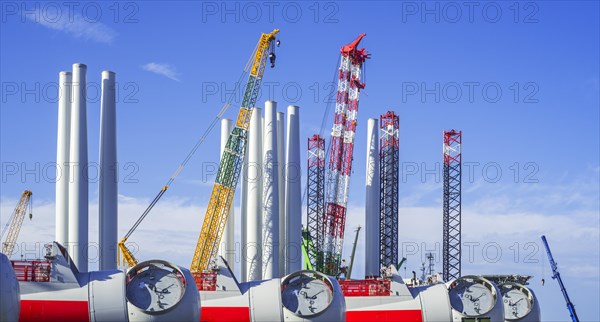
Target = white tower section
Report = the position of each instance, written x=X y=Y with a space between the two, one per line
x=293 y=192
x=108 y=190
x=62 y=158
x=372 y=265
x=270 y=216
x=281 y=174
x=244 y=217
x=78 y=181
x=254 y=199
x=227 y=247
x=10 y=301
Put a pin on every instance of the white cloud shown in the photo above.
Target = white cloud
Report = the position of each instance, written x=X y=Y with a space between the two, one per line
x=171 y=230
x=166 y=70
x=77 y=26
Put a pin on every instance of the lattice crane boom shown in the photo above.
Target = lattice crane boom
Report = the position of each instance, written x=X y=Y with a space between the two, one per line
x=389 y=159
x=341 y=152
x=315 y=201
x=231 y=162
x=452 y=204
x=556 y=276
x=15 y=222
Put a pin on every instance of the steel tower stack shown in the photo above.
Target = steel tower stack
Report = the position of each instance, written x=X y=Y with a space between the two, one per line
x=315 y=201
x=389 y=125
x=452 y=204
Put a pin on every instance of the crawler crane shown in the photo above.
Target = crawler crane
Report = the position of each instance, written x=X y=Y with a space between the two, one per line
x=230 y=166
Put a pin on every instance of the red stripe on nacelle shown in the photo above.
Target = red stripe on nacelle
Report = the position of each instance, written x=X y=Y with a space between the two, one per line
x=50 y=311
x=384 y=315
x=225 y=314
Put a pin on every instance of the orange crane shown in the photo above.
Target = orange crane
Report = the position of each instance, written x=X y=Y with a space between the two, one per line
x=230 y=166
x=13 y=226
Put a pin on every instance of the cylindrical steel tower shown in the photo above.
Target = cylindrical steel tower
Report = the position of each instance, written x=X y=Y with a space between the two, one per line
x=293 y=192
x=270 y=215
x=254 y=199
x=108 y=185
x=62 y=158
x=281 y=186
x=78 y=181
x=372 y=264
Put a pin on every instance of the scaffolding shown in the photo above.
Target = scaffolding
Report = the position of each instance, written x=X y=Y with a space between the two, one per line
x=32 y=271
x=368 y=287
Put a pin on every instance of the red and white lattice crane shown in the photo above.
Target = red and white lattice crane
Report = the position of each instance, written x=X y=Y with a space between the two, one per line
x=340 y=153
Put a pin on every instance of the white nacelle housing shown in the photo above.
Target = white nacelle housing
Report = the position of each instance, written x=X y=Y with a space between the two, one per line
x=10 y=301
x=312 y=296
x=475 y=297
x=520 y=303
x=157 y=290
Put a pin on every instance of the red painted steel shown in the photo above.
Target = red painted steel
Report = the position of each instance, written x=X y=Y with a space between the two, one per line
x=384 y=316
x=206 y=281
x=51 y=311
x=452 y=138
x=225 y=314
x=340 y=153
x=365 y=287
x=32 y=271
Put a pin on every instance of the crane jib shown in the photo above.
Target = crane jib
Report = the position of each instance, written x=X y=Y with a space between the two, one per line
x=341 y=155
x=226 y=178
x=16 y=221
x=231 y=164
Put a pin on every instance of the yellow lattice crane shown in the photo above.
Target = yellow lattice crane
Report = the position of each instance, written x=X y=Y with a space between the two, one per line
x=226 y=181
x=257 y=65
x=126 y=257
x=13 y=226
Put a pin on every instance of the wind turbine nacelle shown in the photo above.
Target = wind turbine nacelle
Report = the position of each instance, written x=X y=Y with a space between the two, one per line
x=301 y=296
x=475 y=297
x=10 y=301
x=151 y=291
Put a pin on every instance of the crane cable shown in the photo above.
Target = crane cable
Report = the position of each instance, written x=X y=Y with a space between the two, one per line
x=328 y=110
x=7 y=224
x=325 y=118
x=12 y=216
x=194 y=148
x=331 y=95
x=30 y=207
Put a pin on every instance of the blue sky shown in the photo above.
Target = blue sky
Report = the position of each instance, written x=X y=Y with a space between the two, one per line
x=520 y=80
